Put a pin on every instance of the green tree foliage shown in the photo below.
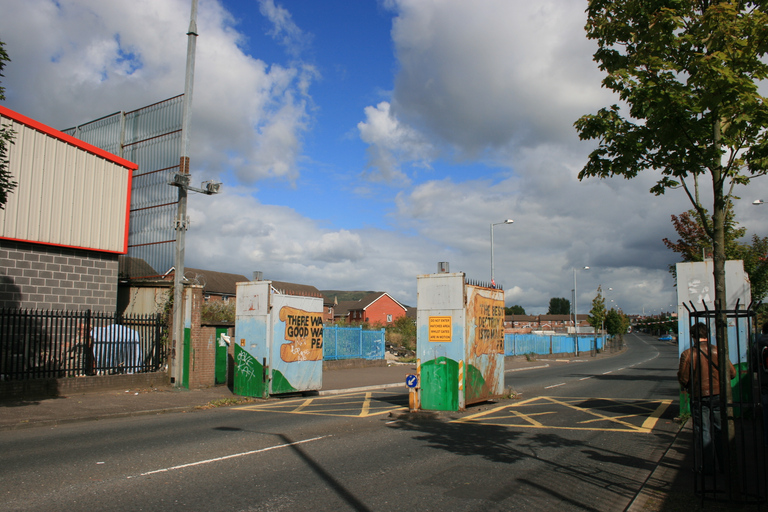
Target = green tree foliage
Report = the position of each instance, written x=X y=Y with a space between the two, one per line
x=559 y=306
x=616 y=323
x=514 y=310
x=402 y=333
x=597 y=313
x=688 y=71
x=6 y=139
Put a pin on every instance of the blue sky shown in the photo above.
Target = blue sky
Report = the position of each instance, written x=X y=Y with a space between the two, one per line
x=362 y=142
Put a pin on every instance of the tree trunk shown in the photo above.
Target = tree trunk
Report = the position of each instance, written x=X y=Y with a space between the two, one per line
x=721 y=305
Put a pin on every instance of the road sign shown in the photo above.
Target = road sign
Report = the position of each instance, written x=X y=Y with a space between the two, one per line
x=411 y=380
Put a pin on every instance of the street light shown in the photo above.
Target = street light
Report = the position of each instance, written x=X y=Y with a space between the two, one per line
x=575 y=311
x=758 y=202
x=508 y=221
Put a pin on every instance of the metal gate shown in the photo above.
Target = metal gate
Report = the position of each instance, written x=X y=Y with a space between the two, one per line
x=727 y=412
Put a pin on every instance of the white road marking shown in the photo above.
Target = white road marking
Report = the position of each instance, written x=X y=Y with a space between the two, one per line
x=234 y=455
x=527 y=368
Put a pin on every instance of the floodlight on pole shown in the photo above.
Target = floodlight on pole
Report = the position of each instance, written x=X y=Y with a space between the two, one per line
x=508 y=221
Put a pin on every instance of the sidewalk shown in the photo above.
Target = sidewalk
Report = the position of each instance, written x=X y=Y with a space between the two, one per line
x=669 y=486
x=15 y=414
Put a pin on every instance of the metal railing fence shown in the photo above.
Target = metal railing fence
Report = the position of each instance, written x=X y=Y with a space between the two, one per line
x=38 y=344
x=545 y=344
x=352 y=343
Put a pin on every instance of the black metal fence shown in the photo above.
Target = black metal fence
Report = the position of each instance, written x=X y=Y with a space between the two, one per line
x=51 y=344
x=727 y=411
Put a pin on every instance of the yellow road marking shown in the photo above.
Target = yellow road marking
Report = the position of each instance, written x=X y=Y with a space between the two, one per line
x=651 y=420
x=498 y=415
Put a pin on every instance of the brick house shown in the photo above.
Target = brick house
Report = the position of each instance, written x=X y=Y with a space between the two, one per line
x=375 y=308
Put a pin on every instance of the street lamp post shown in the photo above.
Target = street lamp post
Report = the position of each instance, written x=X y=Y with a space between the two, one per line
x=508 y=221
x=575 y=311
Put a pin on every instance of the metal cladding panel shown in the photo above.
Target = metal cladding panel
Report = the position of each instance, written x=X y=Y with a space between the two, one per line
x=484 y=351
x=66 y=194
x=278 y=335
x=251 y=351
x=297 y=348
x=440 y=340
x=696 y=285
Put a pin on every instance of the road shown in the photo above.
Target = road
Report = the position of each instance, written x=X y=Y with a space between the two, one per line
x=582 y=436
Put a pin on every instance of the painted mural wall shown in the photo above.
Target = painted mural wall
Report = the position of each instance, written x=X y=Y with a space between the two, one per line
x=460 y=342
x=278 y=341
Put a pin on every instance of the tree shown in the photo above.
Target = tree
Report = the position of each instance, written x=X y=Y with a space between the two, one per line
x=559 y=306
x=616 y=323
x=695 y=244
x=514 y=310
x=688 y=71
x=6 y=139
x=597 y=313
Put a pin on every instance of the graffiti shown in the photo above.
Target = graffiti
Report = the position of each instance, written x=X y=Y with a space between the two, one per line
x=245 y=365
x=699 y=289
x=304 y=334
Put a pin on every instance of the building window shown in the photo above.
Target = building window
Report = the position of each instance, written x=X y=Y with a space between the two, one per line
x=206 y=297
x=389 y=319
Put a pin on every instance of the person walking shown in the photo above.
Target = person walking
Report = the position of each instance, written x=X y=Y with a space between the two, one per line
x=699 y=374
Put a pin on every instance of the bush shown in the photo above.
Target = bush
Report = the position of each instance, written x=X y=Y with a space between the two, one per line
x=218 y=311
x=402 y=334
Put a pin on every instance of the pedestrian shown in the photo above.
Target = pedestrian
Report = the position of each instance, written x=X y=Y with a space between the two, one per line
x=699 y=374
x=760 y=366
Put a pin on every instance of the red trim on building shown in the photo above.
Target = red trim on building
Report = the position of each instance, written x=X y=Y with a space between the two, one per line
x=66 y=138
x=37 y=242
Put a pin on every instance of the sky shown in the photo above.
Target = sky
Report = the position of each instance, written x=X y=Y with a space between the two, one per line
x=361 y=143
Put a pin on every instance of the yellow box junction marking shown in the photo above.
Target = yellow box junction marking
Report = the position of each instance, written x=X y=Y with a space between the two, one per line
x=350 y=405
x=522 y=414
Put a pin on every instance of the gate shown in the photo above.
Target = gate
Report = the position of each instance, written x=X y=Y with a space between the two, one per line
x=727 y=413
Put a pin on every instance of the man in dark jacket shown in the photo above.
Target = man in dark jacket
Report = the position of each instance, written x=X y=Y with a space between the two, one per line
x=699 y=374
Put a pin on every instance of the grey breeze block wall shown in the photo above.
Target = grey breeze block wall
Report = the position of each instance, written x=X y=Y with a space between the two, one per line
x=37 y=276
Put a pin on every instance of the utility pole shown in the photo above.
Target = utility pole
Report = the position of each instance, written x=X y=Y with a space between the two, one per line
x=177 y=357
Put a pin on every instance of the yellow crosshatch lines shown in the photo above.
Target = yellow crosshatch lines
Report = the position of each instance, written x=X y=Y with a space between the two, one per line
x=351 y=405
x=604 y=414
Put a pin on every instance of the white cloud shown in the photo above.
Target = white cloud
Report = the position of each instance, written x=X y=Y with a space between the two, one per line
x=391 y=142
x=249 y=117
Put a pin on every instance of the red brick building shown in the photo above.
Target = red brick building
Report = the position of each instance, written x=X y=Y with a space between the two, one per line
x=375 y=308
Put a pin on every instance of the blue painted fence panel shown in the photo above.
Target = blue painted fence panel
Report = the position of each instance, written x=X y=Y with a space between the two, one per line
x=541 y=344
x=352 y=343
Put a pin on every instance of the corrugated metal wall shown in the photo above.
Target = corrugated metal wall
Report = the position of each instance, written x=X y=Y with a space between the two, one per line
x=66 y=195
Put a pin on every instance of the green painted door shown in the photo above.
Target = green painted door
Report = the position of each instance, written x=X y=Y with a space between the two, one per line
x=221 y=357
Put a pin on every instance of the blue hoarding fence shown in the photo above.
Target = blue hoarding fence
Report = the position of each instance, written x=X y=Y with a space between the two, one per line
x=545 y=344
x=352 y=343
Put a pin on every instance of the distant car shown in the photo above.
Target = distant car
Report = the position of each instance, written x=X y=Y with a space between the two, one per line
x=666 y=337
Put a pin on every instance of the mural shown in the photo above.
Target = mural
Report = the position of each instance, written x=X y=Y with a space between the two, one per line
x=304 y=334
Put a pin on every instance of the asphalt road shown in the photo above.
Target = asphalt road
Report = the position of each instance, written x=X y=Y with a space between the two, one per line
x=581 y=436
